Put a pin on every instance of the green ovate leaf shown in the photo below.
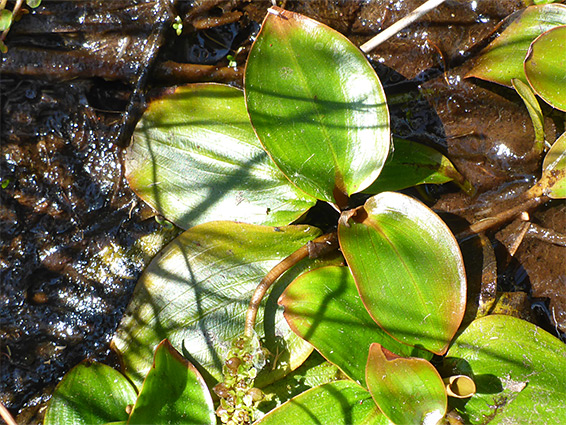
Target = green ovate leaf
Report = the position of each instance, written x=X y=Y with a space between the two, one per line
x=33 y=3
x=410 y=164
x=90 y=394
x=336 y=403
x=196 y=293
x=317 y=106
x=553 y=178
x=407 y=390
x=503 y=59
x=195 y=158
x=324 y=308
x=545 y=67
x=408 y=269
x=533 y=107
x=5 y=19
x=173 y=392
x=518 y=369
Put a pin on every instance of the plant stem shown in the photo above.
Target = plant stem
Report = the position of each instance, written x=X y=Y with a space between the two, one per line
x=315 y=248
x=400 y=24
x=5 y=414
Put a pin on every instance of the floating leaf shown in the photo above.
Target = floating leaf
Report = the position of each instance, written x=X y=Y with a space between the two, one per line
x=545 y=67
x=324 y=308
x=341 y=402
x=553 y=178
x=196 y=293
x=410 y=164
x=317 y=106
x=533 y=107
x=408 y=269
x=90 y=394
x=173 y=392
x=503 y=59
x=518 y=369
x=407 y=390
x=195 y=158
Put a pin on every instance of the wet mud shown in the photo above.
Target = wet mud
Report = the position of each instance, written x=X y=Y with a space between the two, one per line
x=73 y=85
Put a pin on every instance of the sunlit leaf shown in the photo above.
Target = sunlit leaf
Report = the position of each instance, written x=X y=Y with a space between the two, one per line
x=196 y=293
x=503 y=59
x=545 y=67
x=317 y=106
x=90 y=394
x=410 y=164
x=195 y=158
x=553 y=178
x=5 y=19
x=173 y=392
x=533 y=107
x=336 y=403
x=518 y=369
x=407 y=390
x=323 y=307
x=408 y=269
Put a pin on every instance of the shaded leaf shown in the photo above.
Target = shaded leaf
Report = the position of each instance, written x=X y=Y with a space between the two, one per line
x=503 y=59
x=5 y=19
x=317 y=106
x=553 y=179
x=324 y=308
x=173 y=392
x=408 y=269
x=90 y=394
x=341 y=402
x=410 y=164
x=545 y=67
x=196 y=293
x=195 y=158
x=407 y=390
x=534 y=110
x=518 y=369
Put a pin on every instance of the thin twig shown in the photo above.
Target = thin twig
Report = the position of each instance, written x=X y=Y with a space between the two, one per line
x=400 y=24
x=313 y=249
x=7 y=416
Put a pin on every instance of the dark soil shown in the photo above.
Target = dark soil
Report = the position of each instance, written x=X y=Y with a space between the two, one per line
x=72 y=88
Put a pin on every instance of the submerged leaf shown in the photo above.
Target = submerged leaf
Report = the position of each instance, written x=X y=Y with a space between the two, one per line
x=324 y=308
x=317 y=106
x=90 y=394
x=518 y=369
x=407 y=390
x=503 y=59
x=408 y=269
x=195 y=158
x=196 y=293
x=545 y=67
x=173 y=392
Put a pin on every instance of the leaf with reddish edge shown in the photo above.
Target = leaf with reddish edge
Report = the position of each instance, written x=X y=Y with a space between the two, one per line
x=317 y=106
x=407 y=390
x=324 y=308
x=503 y=59
x=545 y=67
x=408 y=269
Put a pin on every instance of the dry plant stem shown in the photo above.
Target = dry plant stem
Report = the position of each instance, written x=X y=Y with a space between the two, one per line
x=5 y=414
x=315 y=248
x=400 y=24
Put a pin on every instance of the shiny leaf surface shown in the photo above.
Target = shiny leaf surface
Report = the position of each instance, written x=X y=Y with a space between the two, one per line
x=336 y=403
x=545 y=67
x=196 y=293
x=410 y=164
x=554 y=169
x=324 y=308
x=407 y=390
x=317 y=106
x=518 y=369
x=408 y=269
x=195 y=158
x=90 y=394
x=503 y=59
x=173 y=392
